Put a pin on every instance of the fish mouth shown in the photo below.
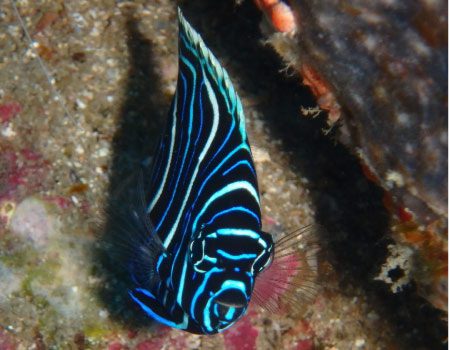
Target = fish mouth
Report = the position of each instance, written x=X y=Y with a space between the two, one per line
x=227 y=304
x=232 y=298
x=227 y=313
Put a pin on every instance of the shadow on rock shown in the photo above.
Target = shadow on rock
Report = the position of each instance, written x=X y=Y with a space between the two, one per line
x=141 y=123
x=349 y=207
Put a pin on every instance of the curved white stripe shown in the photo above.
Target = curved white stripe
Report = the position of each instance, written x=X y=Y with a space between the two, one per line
x=166 y=171
x=234 y=186
x=211 y=136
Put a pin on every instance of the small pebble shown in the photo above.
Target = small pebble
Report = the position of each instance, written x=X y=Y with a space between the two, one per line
x=360 y=343
x=33 y=222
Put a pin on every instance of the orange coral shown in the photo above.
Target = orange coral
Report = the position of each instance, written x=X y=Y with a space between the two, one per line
x=432 y=258
x=279 y=14
x=320 y=89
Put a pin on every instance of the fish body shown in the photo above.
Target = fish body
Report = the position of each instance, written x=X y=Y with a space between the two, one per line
x=203 y=203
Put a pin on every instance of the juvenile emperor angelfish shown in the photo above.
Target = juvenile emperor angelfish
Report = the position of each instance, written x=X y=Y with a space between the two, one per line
x=204 y=205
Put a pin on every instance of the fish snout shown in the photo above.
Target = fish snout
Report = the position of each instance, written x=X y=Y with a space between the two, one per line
x=230 y=305
x=232 y=298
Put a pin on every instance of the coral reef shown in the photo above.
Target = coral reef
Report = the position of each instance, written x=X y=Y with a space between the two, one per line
x=70 y=133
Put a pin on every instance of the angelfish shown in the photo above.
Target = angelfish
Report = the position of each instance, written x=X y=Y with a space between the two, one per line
x=205 y=248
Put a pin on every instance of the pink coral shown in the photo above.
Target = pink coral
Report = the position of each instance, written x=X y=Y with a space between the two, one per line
x=6 y=341
x=305 y=344
x=9 y=110
x=24 y=167
x=151 y=344
x=242 y=336
x=117 y=346
x=157 y=341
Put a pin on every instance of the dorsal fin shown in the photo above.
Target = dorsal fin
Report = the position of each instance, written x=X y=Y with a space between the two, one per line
x=210 y=62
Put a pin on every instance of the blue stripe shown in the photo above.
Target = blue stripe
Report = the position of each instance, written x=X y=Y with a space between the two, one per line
x=241 y=162
x=235 y=257
x=230 y=210
x=191 y=68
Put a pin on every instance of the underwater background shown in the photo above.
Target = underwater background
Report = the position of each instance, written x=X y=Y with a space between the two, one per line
x=73 y=130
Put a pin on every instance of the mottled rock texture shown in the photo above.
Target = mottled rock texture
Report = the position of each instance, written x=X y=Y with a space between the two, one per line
x=386 y=63
x=379 y=69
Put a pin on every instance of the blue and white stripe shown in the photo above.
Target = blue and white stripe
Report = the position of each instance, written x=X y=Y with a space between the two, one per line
x=204 y=202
